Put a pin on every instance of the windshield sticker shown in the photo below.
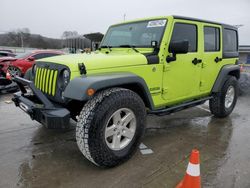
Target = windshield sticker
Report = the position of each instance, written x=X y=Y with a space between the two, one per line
x=157 y=23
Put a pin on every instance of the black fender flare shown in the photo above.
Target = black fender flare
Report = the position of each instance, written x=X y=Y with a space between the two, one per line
x=233 y=70
x=77 y=88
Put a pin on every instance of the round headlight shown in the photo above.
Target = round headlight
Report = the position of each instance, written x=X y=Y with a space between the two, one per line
x=65 y=77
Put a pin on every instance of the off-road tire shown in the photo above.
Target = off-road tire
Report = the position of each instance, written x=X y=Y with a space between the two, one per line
x=217 y=103
x=92 y=121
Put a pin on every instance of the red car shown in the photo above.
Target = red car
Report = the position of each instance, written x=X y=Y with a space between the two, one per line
x=21 y=63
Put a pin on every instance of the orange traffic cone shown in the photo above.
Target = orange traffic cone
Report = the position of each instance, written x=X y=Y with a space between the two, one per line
x=192 y=178
x=8 y=76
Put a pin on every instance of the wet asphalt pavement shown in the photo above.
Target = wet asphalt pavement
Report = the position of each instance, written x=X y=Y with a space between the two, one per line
x=32 y=156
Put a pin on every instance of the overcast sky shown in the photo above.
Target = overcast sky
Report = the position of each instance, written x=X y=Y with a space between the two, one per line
x=51 y=17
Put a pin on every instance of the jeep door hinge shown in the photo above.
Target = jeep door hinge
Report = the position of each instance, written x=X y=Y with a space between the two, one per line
x=202 y=83
x=203 y=65
x=166 y=68
x=164 y=90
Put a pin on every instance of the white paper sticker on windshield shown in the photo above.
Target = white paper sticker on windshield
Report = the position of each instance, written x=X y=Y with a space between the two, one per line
x=157 y=23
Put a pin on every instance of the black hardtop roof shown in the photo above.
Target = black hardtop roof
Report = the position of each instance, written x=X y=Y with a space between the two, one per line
x=205 y=21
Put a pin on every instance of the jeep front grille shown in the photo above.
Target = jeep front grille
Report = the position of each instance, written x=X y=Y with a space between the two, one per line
x=45 y=80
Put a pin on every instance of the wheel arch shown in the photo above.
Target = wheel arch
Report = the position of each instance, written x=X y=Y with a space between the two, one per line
x=77 y=88
x=235 y=73
x=232 y=70
x=140 y=90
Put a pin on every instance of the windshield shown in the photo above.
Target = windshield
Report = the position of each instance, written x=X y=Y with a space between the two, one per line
x=137 y=34
x=23 y=55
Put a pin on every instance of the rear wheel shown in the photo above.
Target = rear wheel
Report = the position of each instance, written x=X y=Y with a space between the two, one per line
x=223 y=102
x=110 y=126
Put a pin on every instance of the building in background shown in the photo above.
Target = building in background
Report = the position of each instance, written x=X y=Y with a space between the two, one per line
x=95 y=39
x=244 y=51
x=78 y=43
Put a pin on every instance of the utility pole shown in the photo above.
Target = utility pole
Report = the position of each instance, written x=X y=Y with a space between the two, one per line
x=21 y=36
x=124 y=17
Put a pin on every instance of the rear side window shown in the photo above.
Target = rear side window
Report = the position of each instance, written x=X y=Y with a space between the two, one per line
x=230 y=42
x=211 y=39
x=187 y=32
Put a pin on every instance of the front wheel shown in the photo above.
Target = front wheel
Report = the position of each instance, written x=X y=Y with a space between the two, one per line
x=110 y=126
x=14 y=71
x=223 y=102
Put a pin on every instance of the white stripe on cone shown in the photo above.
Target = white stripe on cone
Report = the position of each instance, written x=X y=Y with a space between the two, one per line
x=193 y=169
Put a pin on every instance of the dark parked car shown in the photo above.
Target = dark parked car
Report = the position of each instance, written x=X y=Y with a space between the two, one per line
x=6 y=50
x=6 y=54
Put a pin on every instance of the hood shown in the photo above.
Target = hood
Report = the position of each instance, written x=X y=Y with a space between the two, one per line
x=99 y=60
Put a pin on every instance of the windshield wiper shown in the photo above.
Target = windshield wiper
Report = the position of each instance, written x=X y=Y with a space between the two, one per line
x=129 y=46
x=109 y=47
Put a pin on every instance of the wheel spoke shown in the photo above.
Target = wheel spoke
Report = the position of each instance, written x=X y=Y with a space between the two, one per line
x=117 y=117
x=116 y=142
x=117 y=132
x=229 y=98
x=110 y=131
x=128 y=133
x=126 y=119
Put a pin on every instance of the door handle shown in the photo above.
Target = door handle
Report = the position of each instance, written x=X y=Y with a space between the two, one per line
x=217 y=59
x=196 y=61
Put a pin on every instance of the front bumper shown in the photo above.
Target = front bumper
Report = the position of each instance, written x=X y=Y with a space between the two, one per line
x=7 y=85
x=39 y=107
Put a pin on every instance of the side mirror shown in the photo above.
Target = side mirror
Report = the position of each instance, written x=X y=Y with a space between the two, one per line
x=177 y=47
x=31 y=59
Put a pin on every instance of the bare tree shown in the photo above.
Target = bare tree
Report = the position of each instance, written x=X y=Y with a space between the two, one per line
x=18 y=37
x=68 y=38
x=67 y=34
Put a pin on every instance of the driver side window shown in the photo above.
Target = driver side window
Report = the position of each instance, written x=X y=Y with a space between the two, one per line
x=183 y=31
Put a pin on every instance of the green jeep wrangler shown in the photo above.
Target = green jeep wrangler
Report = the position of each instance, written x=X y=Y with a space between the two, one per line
x=150 y=66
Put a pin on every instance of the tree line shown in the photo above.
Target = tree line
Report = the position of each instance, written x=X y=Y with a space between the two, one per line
x=23 y=38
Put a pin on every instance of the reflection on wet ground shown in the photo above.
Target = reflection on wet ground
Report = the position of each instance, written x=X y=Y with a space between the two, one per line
x=32 y=156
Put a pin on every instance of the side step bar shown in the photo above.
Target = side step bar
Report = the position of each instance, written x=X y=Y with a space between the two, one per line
x=169 y=110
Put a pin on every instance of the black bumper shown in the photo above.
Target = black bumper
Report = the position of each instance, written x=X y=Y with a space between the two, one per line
x=7 y=85
x=39 y=107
